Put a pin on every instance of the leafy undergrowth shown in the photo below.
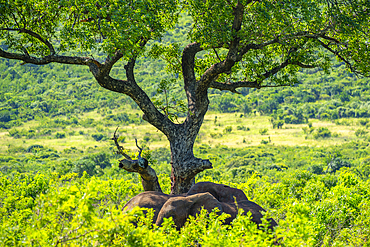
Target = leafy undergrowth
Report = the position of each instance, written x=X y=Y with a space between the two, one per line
x=54 y=210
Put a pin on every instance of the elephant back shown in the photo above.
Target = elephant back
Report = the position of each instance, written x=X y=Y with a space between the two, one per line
x=148 y=199
x=221 y=192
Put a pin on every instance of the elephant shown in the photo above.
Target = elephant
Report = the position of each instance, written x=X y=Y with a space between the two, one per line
x=181 y=207
x=221 y=192
x=204 y=194
x=148 y=199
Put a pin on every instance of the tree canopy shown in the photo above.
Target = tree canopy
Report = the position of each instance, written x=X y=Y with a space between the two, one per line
x=231 y=44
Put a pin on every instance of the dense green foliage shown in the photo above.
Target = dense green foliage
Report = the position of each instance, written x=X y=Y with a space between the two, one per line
x=312 y=210
x=319 y=196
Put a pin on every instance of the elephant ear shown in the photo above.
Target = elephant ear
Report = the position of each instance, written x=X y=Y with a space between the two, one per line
x=205 y=200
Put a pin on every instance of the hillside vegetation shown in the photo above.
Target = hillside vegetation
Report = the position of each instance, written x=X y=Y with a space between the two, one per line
x=301 y=152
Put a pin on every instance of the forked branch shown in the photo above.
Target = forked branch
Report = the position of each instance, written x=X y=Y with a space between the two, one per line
x=149 y=178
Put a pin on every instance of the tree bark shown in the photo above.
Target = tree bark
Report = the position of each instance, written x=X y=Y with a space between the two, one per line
x=185 y=166
x=149 y=178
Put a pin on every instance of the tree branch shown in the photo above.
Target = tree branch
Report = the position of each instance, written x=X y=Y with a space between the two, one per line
x=33 y=34
x=110 y=61
x=231 y=57
x=187 y=62
x=252 y=46
x=26 y=58
x=149 y=178
x=257 y=83
x=346 y=61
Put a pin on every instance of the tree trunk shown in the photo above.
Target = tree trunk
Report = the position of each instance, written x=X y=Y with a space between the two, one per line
x=184 y=165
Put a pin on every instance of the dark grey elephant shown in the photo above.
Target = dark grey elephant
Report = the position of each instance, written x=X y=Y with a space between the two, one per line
x=205 y=194
x=221 y=192
x=148 y=199
x=180 y=208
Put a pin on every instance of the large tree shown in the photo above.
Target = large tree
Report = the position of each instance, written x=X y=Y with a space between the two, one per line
x=232 y=44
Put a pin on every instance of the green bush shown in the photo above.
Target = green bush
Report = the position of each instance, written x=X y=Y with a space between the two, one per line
x=241 y=128
x=363 y=122
x=263 y=131
x=97 y=137
x=316 y=169
x=5 y=116
x=361 y=132
x=59 y=135
x=228 y=129
x=322 y=132
x=337 y=163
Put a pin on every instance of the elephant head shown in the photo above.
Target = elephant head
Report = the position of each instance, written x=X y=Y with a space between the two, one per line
x=179 y=208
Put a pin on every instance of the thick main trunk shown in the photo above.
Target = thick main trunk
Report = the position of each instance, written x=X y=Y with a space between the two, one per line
x=184 y=165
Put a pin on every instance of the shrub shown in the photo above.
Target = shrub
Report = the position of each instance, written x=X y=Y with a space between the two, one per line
x=241 y=127
x=46 y=132
x=241 y=161
x=263 y=131
x=264 y=142
x=15 y=133
x=307 y=130
x=337 y=163
x=325 y=116
x=228 y=129
x=16 y=149
x=5 y=116
x=60 y=135
x=363 y=122
x=316 y=169
x=360 y=132
x=34 y=148
x=97 y=137
x=322 y=132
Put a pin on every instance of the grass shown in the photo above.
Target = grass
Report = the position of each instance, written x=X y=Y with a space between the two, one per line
x=213 y=132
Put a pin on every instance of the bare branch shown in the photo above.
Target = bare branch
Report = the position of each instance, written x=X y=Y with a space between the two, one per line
x=305 y=66
x=140 y=149
x=252 y=46
x=232 y=86
x=149 y=178
x=217 y=54
x=120 y=148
